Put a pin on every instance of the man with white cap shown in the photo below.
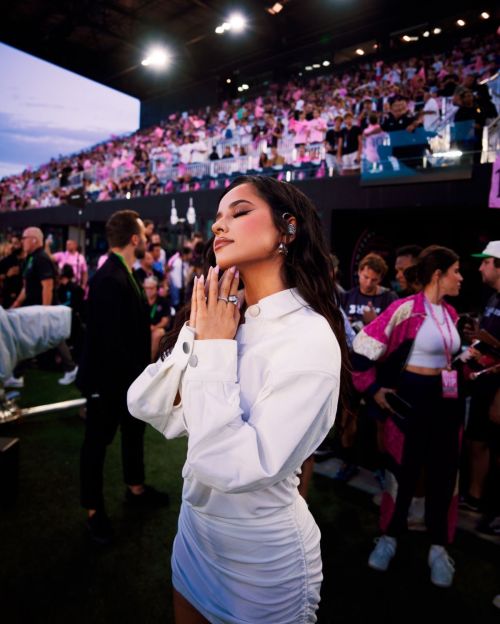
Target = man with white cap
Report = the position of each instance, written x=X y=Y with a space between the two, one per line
x=483 y=429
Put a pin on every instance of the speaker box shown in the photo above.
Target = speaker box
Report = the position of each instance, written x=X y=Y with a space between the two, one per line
x=9 y=471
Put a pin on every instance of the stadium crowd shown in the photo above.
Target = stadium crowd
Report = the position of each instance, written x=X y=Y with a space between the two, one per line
x=338 y=122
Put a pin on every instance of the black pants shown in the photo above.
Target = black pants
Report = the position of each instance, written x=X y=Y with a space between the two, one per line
x=104 y=416
x=431 y=440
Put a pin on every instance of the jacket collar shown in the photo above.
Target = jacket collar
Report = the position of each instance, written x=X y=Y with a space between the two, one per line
x=276 y=305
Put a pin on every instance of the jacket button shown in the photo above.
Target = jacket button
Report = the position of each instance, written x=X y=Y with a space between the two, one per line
x=193 y=361
x=185 y=347
x=254 y=310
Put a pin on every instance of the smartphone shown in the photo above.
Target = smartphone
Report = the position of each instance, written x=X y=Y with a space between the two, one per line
x=401 y=407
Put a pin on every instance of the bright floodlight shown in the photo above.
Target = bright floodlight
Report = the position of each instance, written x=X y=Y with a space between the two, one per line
x=157 y=58
x=460 y=22
x=326 y=63
x=426 y=33
x=406 y=38
x=436 y=31
x=220 y=30
x=360 y=52
x=228 y=80
x=308 y=67
x=485 y=15
x=237 y=22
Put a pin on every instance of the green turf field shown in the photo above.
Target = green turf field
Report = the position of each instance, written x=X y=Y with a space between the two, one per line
x=50 y=572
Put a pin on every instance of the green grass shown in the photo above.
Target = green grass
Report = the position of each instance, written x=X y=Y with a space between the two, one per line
x=50 y=572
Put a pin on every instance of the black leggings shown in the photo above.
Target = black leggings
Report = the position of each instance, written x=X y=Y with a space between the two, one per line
x=429 y=438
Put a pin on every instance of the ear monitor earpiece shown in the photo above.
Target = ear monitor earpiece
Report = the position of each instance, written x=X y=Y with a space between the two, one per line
x=291 y=228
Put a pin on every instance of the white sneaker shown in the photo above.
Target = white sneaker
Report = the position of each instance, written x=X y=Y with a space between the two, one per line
x=442 y=567
x=69 y=377
x=383 y=552
x=14 y=382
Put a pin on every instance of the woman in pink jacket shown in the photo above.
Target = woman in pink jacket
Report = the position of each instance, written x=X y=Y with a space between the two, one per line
x=402 y=362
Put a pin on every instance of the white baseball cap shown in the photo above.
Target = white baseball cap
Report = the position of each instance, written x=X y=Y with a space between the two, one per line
x=492 y=250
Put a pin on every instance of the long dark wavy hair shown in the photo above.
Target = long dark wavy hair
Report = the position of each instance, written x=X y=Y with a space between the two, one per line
x=307 y=266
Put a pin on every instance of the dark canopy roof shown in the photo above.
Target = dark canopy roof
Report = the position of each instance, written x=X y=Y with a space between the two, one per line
x=105 y=40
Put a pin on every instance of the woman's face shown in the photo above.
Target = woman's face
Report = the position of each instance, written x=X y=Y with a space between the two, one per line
x=244 y=230
x=451 y=281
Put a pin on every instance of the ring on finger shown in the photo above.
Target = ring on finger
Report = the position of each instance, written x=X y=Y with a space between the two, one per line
x=223 y=299
x=233 y=299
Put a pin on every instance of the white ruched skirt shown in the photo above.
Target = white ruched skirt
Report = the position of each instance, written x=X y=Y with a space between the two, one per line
x=264 y=570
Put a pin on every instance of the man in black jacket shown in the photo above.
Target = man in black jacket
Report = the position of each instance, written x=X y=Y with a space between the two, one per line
x=117 y=348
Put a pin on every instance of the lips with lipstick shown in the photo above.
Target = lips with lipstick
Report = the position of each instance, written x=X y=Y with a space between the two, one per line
x=221 y=242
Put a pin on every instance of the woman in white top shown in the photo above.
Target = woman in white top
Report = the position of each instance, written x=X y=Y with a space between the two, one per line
x=255 y=396
x=408 y=350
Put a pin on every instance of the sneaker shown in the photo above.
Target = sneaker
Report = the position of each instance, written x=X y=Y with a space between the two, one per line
x=382 y=554
x=346 y=472
x=14 y=382
x=100 y=528
x=489 y=525
x=69 y=377
x=150 y=498
x=470 y=503
x=442 y=567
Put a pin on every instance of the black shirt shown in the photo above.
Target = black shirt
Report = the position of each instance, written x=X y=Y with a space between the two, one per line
x=159 y=310
x=332 y=138
x=354 y=302
x=350 y=136
x=140 y=275
x=490 y=320
x=12 y=284
x=38 y=267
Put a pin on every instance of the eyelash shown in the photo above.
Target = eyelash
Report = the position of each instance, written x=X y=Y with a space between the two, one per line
x=240 y=214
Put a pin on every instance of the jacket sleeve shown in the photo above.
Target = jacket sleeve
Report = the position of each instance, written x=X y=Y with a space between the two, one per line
x=235 y=451
x=369 y=347
x=152 y=395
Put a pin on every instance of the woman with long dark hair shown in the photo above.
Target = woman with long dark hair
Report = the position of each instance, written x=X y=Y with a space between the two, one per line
x=402 y=360
x=255 y=396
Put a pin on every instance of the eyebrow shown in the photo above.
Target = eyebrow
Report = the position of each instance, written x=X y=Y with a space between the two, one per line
x=233 y=205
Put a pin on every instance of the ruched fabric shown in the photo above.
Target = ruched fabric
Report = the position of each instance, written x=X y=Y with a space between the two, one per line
x=267 y=570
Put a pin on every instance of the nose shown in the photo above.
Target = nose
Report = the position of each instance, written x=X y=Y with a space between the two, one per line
x=219 y=227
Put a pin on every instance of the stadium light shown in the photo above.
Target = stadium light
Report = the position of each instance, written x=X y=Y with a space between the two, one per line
x=485 y=15
x=158 y=58
x=236 y=22
x=308 y=68
x=360 y=52
x=437 y=31
x=426 y=33
x=316 y=66
x=228 y=80
x=460 y=22
x=326 y=63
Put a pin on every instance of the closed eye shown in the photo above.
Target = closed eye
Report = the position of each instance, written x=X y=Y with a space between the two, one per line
x=240 y=214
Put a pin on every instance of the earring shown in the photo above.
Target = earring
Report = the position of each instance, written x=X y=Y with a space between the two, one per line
x=282 y=249
x=292 y=230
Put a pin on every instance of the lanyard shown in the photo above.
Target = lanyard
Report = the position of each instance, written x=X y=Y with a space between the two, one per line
x=447 y=349
x=28 y=266
x=152 y=313
x=136 y=286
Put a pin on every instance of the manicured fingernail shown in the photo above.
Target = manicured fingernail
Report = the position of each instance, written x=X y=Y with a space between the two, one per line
x=202 y=279
x=237 y=275
x=217 y=269
x=232 y=269
x=195 y=281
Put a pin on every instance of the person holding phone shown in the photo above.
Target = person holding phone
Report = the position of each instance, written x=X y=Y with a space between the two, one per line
x=402 y=361
x=255 y=396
